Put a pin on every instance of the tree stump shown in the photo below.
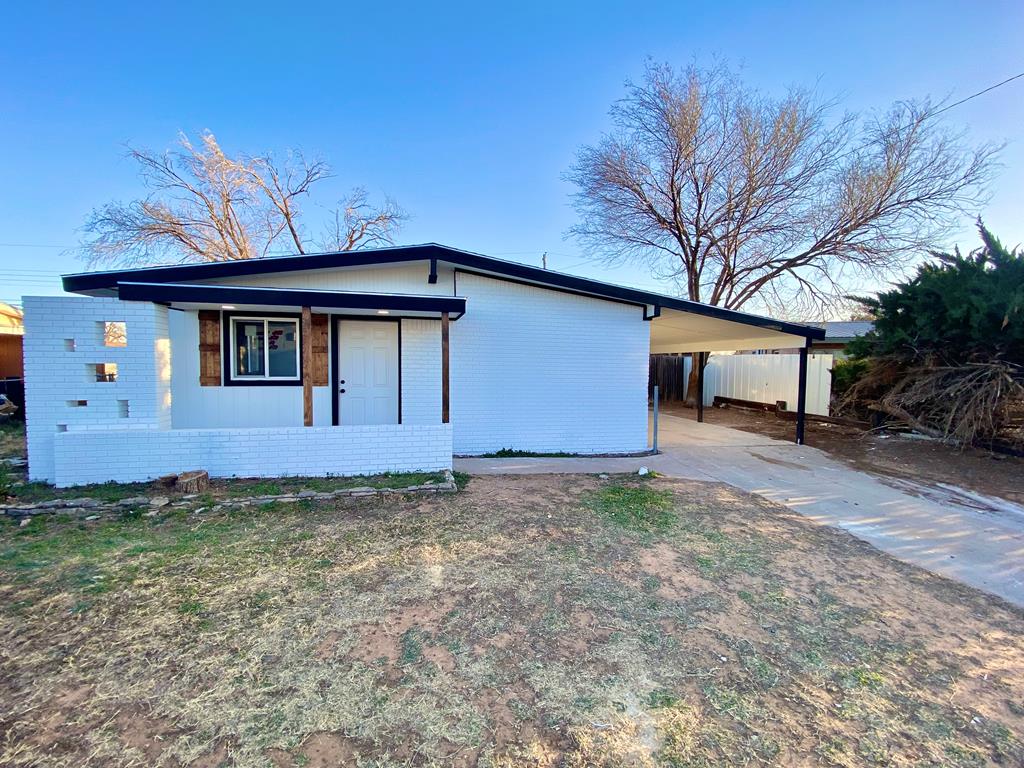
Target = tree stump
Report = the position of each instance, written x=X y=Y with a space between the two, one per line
x=195 y=481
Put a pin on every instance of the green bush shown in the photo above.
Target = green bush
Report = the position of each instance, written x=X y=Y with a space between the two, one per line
x=956 y=310
x=846 y=373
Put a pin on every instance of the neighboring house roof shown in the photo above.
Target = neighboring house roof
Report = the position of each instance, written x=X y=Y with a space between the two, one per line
x=11 y=320
x=845 y=330
x=109 y=283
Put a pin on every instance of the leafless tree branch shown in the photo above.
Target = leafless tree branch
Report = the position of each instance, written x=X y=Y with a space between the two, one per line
x=739 y=198
x=204 y=205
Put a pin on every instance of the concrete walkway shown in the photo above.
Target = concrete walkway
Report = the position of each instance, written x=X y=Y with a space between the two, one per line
x=975 y=539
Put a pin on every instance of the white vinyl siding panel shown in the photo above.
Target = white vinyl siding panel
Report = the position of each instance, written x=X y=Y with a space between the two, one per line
x=767 y=379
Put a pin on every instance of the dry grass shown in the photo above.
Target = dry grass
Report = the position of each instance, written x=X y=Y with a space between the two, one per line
x=525 y=621
x=12 y=438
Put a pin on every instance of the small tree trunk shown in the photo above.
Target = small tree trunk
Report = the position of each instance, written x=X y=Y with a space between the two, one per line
x=691 y=382
x=193 y=482
x=691 y=385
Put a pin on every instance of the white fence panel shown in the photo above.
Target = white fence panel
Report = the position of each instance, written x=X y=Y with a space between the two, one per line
x=767 y=378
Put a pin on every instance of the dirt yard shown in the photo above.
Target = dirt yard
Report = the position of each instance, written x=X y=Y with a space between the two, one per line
x=885 y=454
x=538 y=621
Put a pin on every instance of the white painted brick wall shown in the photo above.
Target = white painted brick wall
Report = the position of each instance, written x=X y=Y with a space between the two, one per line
x=532 y=369
x=197 y=407
x=421 y=371
x=139 y=455
x=540 y=370
x=56 y=375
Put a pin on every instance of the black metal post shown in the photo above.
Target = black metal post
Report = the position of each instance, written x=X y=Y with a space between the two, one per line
x=801 y=394
x=699 y=362
x=655 y=450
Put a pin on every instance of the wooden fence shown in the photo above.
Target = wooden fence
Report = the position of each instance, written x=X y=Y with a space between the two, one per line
x=11 y=365
x=669 y=372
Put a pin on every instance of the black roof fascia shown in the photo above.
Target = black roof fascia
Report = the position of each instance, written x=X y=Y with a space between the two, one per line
x=168 y=293
x=91 y=281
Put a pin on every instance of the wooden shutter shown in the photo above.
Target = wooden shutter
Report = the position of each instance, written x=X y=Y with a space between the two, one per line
x=320 y=359
x=209 y=348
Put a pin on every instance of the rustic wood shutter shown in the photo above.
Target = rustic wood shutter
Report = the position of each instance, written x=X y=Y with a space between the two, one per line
x=319 y=344
x=209 y=348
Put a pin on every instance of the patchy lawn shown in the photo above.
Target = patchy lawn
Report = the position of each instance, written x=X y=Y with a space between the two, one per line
x=526 y=621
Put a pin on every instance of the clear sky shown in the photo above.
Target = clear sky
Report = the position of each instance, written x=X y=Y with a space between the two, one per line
x=468 y=115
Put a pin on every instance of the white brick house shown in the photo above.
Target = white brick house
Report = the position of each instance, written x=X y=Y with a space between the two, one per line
x=391 y=359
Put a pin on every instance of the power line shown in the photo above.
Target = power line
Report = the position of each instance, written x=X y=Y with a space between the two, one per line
x=980 y=93
x=33 y=245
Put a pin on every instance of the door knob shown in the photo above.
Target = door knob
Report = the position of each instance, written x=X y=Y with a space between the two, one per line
x=342 y=381
x=342 y=391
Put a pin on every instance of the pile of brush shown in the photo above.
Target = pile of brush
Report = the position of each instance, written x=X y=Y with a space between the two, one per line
x=976 y=403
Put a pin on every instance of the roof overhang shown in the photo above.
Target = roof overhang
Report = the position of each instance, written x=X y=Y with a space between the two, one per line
x=682 y=331
x=204 y=296
x=653 y=304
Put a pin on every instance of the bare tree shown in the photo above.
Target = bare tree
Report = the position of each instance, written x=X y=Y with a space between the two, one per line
x=740 y=198
x=207 y=206
x=356 y=223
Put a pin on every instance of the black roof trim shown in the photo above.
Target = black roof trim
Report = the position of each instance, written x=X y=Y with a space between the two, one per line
x=168 y=293
x=184 y=273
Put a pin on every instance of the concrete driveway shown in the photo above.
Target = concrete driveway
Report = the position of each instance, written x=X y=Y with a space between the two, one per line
x=975 y=539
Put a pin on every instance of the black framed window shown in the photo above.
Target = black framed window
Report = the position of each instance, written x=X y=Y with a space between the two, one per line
x=264 y=349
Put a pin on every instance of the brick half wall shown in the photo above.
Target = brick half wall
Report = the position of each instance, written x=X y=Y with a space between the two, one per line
x=138 y=455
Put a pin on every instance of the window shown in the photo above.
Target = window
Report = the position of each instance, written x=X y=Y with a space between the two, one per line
x=113 y=333
x=264 y=349
x=103 y=372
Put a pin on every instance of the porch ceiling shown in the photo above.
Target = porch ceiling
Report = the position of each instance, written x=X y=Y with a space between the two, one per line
x=207 y=296
x=679 y=331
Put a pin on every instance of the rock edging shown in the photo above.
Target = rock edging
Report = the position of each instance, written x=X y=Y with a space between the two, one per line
x=91 y=508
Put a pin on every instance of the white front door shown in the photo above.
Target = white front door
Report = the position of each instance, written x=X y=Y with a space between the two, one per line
x=367 y=372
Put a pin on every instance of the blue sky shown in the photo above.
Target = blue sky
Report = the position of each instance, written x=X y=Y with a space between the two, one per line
x=468 y=115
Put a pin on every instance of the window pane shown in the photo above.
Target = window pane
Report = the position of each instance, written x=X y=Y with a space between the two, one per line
x=283 y=346
x=249 y=348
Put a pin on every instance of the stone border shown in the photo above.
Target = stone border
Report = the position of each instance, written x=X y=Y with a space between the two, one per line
x=92 y=508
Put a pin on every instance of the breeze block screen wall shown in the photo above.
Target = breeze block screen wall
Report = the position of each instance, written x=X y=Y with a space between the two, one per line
x=92 y=364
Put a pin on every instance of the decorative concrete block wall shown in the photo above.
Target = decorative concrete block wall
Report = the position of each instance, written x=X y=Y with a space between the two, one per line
x=133 y=456
x=81 y=375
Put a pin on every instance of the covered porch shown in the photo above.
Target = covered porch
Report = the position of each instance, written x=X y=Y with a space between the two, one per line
x=345 y=346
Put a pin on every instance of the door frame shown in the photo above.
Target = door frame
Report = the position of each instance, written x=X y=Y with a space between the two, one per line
x=336 y=354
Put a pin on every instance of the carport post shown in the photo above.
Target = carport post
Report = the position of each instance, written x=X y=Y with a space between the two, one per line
x=655 y=448
x=699 y=362
x=801 y=394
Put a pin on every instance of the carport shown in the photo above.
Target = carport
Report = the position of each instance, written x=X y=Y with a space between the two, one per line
x=680 y=326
